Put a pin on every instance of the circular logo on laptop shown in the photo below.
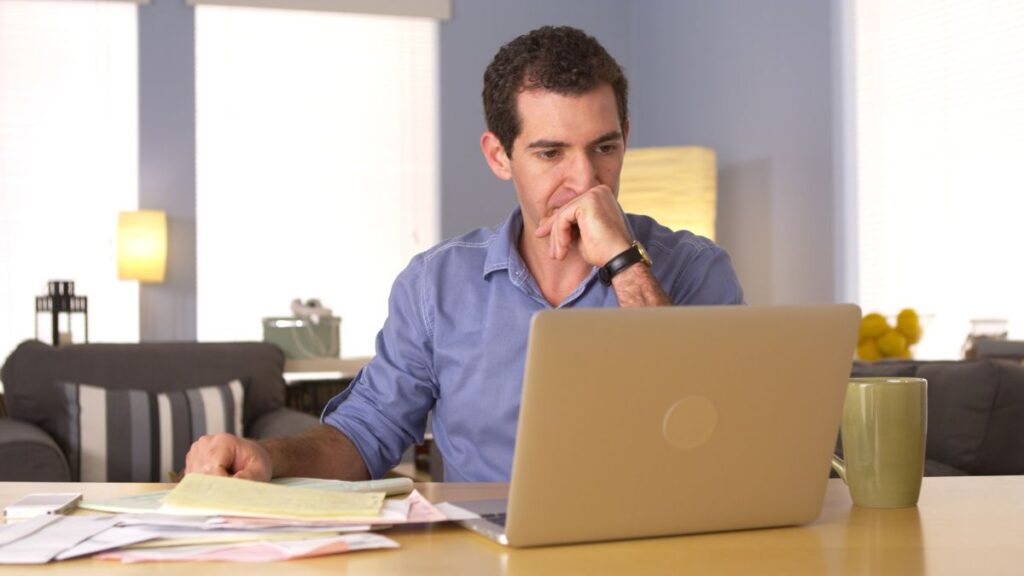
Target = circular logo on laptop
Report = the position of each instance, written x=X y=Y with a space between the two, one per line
x=690 y=422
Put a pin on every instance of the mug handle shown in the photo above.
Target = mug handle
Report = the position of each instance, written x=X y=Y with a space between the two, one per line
x=840 y=467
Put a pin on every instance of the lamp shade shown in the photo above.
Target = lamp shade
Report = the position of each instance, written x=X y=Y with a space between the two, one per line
x=674 y=185
x=142 y=245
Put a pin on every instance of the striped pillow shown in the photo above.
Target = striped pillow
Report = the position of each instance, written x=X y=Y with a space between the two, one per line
x=141 y=436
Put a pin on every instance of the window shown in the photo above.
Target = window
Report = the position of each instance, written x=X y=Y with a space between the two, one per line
x=939 y=118
x=316 y=164
x=68 y=159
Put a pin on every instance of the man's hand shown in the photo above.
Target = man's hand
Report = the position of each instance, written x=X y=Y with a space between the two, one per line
x=593 y=222
x=229 y=455
x=320 y=452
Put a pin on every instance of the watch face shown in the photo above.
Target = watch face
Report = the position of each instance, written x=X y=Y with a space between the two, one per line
x=643 y=253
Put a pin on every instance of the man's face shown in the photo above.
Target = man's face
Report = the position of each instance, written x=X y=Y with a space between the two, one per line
x=567 y=145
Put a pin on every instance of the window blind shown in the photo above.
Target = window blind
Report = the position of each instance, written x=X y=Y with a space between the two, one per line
x=437 y=9
x=68 y=159
x=939 y=137
x=317 y=164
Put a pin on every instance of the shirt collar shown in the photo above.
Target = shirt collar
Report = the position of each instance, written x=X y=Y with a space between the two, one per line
x=503 y=253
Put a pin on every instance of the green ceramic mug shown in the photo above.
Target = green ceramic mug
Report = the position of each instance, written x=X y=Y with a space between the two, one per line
x=885 y=421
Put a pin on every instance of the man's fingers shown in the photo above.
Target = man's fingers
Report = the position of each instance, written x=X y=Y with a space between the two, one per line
x=245 y=474
x=213 y=455
x=545 y=227
x=562 y=234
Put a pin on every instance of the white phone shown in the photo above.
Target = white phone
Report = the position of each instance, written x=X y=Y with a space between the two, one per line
x=43 y=503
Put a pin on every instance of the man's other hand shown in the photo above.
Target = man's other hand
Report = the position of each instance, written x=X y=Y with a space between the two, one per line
x=228 y=455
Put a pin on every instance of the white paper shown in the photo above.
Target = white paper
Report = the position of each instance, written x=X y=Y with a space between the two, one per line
x=390 y=486
x=161 y=524
x=135 y=503
x=45 y=544
x=17 y=530
x=115 y=537
x=196 y=522
x=164 y=536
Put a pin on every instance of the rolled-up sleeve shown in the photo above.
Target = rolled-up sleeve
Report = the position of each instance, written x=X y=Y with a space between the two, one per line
x=699 y=272
x=709 y=279
x=385 y=408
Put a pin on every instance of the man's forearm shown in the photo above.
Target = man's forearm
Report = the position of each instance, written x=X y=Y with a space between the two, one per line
x=322 y=452
x=636 y=286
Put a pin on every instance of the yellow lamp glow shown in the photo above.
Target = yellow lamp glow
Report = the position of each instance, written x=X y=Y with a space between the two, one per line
x=675 y=186
x=142 y=245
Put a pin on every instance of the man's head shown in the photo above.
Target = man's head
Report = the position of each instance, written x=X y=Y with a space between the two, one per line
x=562 y=60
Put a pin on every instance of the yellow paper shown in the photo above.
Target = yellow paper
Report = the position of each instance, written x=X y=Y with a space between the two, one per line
x=216 y=495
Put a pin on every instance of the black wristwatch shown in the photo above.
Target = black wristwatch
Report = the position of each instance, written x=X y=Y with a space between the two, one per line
x=635 y=253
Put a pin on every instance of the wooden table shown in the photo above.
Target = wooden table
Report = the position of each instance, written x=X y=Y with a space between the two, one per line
x=969 y=525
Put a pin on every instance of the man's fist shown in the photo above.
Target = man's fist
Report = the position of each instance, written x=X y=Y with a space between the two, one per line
x=229 y=455
x=593 y=222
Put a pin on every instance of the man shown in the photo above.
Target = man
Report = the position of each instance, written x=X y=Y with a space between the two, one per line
x=455 y=337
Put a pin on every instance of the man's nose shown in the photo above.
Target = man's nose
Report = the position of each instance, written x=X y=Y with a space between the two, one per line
x=582 y=173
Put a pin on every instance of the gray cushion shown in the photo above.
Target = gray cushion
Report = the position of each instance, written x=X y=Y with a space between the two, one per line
x=27 y=454
x=984 y=399
x=143 y=436
x=960 y=398
x=884 y=368
x=281 y=423
x=975 y=413
x=32 y=372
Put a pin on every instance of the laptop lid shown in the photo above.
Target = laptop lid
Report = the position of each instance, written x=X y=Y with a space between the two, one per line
x=673 y=420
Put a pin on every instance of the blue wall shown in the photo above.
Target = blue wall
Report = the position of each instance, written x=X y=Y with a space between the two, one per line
x=753 y=80
x=167 y=163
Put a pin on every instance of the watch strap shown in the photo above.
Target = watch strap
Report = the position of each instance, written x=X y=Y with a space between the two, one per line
x=635 y=253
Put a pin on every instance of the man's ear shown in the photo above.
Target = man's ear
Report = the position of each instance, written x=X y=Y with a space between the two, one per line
x=495 y=155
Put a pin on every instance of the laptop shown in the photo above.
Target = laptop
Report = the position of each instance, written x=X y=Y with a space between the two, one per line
x=648 y=422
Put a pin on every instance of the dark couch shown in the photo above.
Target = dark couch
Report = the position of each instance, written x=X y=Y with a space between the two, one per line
x=975 y=413
x=33 y=436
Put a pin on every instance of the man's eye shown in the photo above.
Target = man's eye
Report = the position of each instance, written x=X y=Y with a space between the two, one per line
x=607 y=148
x=547 y=154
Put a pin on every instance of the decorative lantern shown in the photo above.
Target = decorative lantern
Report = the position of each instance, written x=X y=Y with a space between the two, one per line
x=58 y=309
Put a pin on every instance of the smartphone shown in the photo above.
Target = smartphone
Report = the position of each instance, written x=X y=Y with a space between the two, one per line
x=43 y=503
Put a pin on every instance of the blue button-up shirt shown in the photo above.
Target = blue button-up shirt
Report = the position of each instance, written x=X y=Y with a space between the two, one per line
x=455 y=341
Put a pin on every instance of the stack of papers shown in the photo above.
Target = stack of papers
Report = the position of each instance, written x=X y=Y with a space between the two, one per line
x=208 y=518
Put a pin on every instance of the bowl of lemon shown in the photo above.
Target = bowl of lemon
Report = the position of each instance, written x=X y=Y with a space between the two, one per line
x=879 y=338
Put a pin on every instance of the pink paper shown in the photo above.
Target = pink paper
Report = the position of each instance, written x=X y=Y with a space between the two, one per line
x=256 y=551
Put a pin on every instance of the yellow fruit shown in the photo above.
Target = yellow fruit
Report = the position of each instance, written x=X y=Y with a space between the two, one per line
x=868 y=351
x=873 y=326
x=909 y=325
x=893 y=344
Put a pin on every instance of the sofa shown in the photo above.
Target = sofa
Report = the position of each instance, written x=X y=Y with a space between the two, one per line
x=975 y=413
x=155 y=398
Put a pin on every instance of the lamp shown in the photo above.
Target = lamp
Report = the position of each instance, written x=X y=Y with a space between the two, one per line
x=673 y=185
x=61 y=303
x=142 y=245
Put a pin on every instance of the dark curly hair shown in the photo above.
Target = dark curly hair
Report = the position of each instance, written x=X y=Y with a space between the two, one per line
x=560 y=59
